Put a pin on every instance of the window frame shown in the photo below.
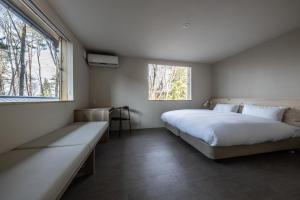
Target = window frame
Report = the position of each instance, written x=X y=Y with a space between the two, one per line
x=172 y=65
x=29 y=12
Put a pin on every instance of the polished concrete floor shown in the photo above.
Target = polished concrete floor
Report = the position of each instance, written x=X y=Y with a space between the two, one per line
x=154 y=164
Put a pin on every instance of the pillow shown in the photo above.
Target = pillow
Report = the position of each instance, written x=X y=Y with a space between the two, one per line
x=226 y=108
x=268 y=112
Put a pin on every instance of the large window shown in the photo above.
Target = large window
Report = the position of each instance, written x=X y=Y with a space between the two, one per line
x=167 y=82
x=30 y=58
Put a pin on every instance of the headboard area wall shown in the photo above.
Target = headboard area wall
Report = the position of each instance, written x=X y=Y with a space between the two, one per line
x=291 y=115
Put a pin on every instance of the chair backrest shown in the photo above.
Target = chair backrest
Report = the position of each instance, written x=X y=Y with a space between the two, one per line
x=125 y=107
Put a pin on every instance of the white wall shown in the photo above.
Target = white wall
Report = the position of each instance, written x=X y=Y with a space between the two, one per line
x=128 y=85
x=22 y=122
x=269 y=70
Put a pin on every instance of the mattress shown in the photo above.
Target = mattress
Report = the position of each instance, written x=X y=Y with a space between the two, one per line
x=228 y=129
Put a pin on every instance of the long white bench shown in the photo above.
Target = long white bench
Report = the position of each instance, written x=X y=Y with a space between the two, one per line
x=43 y=168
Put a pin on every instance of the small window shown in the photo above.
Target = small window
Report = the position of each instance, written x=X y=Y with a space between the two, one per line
x=169 y=82
x=30 y=58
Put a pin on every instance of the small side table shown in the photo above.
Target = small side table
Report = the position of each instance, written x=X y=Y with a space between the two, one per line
x=94 y=114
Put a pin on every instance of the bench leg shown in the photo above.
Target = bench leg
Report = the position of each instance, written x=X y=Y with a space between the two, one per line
x=88 y=167
x=90 y=164
x=105 y=137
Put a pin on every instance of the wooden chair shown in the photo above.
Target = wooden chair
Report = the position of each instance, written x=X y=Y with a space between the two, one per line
x=120 y=118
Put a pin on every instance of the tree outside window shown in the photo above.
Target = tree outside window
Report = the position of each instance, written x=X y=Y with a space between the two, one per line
x=167 y=82
x=29 y=61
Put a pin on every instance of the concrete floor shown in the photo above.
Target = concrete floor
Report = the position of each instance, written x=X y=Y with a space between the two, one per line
x=154 y=164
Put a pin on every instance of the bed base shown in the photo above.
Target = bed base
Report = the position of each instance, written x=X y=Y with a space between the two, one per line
x=171 y=128
x=222 y=152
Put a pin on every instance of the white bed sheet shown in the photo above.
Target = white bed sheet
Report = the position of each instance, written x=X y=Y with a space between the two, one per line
x=228 y=129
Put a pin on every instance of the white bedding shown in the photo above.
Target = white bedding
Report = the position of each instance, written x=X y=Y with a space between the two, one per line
x=228 y=129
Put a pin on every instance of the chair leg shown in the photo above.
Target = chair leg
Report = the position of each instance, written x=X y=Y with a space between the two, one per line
x=120 y=123
x=129 y=120
x=110 y=124
x=130 y=126
x=120 y=128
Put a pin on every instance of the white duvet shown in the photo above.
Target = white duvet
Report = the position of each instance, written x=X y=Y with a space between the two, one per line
x=227 y=129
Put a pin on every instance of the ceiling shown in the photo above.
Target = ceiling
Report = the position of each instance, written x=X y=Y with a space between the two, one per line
x=154 y=28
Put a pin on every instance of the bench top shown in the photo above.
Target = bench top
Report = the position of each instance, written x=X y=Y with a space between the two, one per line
x=85 y=133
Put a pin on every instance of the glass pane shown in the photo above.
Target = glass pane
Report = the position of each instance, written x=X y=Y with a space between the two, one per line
x=29 y=62
x=169 y=82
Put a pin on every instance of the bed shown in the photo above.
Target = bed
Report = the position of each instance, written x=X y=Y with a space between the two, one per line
x=225 y=135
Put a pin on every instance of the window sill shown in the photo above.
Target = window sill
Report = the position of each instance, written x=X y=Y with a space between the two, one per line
x=30 y=100
x=171 y=100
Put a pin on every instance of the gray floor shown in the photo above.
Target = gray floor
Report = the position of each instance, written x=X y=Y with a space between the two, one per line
x=154 y=164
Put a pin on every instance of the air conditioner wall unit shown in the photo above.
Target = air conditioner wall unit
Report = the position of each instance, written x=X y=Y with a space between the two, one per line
x=99 y=60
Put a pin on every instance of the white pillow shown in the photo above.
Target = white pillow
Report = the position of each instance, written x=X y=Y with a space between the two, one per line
x=226 y=108
x=268 y=112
